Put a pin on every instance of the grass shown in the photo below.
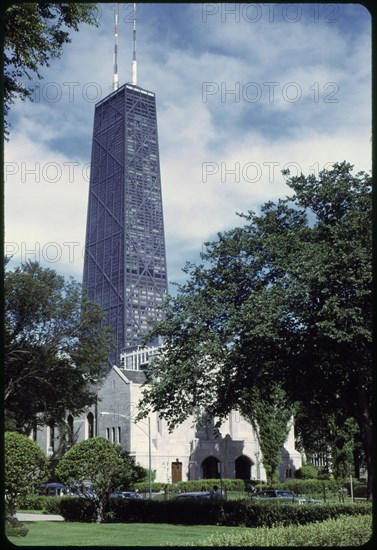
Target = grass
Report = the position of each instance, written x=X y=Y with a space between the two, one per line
x=344 y=531
x=50 y=533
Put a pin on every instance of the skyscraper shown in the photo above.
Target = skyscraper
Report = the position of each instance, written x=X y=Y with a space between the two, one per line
x=125 y=259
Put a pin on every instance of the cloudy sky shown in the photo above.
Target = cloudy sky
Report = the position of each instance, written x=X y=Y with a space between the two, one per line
x=243 y=91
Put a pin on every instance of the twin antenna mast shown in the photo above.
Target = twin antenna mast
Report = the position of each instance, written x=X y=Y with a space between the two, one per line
x=134 y=63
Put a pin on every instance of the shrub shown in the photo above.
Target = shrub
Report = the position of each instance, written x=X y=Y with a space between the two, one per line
x=192 y=485
x=143 y=486
x=343 y=531
x=359 y=489
x=25 y=468
x=246 y=513
x=311 y=487
x=307 y=471
x=32 y=502
x=14 y=528
x=207 y=485
x=78 y=509
x=52 y=505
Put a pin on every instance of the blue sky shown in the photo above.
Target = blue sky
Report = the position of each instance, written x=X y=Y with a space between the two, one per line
x=243 y=90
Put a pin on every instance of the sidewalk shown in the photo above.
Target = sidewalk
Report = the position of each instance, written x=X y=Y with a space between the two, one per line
x=39 y=517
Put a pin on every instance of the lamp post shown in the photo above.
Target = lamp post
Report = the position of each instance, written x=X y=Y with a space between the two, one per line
x=149 y=443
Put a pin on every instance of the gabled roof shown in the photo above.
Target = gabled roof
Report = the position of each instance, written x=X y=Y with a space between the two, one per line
x=135 y=376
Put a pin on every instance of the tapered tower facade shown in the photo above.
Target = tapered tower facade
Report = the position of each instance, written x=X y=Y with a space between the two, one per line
x=125 y=259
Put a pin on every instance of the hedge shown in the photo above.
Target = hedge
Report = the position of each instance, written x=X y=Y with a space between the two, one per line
x=196 y=485
x=32 y=502
x=343 y=531
x=311 y=487
x=246 y=513
x=50 y=505
x=77 y=509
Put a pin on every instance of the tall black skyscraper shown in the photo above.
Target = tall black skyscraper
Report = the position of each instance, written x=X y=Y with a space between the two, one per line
x=125 y=260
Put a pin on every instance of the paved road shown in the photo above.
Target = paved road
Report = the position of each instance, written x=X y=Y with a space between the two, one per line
x=39 y=517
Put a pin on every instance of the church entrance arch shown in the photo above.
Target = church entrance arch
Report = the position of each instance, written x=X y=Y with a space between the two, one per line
x=243 y=466
x=210 y=468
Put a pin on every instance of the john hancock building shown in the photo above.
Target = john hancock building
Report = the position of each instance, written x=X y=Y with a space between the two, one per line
x=125 y=258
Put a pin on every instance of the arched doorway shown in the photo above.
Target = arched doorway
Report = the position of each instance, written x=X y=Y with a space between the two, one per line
x=210 y=468
x=243 y=466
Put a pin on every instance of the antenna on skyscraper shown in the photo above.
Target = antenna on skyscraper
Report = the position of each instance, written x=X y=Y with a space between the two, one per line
x=134 y=66
x=116 y=20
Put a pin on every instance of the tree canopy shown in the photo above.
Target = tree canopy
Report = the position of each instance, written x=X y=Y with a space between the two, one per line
x=25 y=469
x=284 y=300
x=34 y=34
x=56 y=347
x=101 y=462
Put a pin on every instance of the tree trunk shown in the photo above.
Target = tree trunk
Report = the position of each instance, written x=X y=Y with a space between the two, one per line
x=100 y=507
x=364 y=420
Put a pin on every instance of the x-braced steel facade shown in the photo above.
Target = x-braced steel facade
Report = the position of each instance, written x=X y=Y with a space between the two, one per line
x=125 y=259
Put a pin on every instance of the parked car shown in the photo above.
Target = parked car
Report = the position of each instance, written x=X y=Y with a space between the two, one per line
x=125 y=494
x=199 y=495
x=53 y=489
x=83 y=489
x=278 y=495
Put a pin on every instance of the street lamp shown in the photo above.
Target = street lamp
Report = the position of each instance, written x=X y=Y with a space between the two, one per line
x=149 y=443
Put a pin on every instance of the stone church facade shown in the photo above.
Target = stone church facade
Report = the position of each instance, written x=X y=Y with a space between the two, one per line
x=194 y=450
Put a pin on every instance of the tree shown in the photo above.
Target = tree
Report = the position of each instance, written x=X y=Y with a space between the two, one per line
x=56 y=348
x=285 y=299
x=307 y=471
x=25 y=469
x=101 y=462
x=34 y=34
x=270 y=415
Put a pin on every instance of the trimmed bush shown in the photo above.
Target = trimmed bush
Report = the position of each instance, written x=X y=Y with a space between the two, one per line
x=317 y=488
x=52 y=505
x=343 y=531
x=15 y=528
x=307 y=471
x=245 y=513
x=143 y=486
x=195 y=485
x=78 y=509
x=269 y=514
x=359 y=489
x=32 y=502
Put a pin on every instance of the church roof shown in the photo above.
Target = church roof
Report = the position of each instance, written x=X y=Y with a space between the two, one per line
x=135 y=376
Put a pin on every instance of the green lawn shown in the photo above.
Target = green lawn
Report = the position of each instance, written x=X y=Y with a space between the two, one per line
x=344 y=531
x=54 y=533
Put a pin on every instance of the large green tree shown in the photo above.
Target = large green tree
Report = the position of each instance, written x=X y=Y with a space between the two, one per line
x=285 y=300
x=56 y=347
x=101 y=462
x=34 y=35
